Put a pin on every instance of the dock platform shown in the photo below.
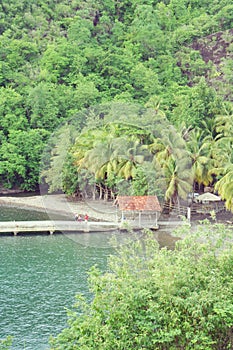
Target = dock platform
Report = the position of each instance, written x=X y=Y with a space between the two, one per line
x=51 y=227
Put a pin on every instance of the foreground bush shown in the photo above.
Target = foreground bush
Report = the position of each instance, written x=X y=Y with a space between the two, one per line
x=6 y=343
x=154 y=298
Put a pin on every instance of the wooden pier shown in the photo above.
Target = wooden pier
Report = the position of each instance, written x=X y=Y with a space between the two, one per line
x=51 y=227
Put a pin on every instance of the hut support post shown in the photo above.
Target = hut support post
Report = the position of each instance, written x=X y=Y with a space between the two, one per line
x=156 y=218
x=139 y=218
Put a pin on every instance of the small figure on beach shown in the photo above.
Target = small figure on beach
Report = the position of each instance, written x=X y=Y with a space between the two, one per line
x=86 y=217
x=78 y=217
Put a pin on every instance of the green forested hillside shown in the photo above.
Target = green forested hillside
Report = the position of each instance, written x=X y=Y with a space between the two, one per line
x=60 y=59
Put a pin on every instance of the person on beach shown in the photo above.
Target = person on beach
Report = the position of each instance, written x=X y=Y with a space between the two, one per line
x=86 y=217
x=78 y=217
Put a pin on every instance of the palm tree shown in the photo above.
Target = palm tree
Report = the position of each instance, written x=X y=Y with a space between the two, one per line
x=171 y=156
x=199 y=147
x=224 y=124
x=222 y=154
x=178 y=179
x=225 y=187
x=132 y=154
x=102 y=159
x=224 y=157
x=85 y=143
x=85 y=159
x=112 y=151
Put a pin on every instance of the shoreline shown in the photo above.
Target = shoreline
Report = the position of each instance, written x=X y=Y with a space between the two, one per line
x=97 y=210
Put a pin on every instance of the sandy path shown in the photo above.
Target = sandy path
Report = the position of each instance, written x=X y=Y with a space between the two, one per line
x=60 y=204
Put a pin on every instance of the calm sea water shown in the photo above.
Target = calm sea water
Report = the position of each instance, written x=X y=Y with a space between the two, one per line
x=39 y=278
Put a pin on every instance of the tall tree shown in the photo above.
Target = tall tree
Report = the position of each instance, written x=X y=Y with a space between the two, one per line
x=225 y=187
x=199 y=147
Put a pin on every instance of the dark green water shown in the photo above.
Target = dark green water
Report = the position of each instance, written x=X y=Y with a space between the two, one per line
x=8 y=213
x=39 y=277
x=12 y=213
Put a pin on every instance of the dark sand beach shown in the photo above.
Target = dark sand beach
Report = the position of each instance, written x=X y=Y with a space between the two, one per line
x=98 y=210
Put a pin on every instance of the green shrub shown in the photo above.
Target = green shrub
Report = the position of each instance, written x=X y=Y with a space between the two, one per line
x=154 y=298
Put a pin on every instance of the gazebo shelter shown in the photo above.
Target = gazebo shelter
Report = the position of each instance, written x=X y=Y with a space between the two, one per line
x=208 y=202
x=139 y=204
x=207 y=198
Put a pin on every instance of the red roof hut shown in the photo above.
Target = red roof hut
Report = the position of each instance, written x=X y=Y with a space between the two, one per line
x=140 y=204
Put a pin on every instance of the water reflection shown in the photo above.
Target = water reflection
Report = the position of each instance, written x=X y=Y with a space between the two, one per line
x=8 y=213
x=104 y=240
x=11 y=213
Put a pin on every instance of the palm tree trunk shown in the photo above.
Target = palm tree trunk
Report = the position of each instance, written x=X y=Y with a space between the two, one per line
x=106 y=193
x=101 y=192
x=94 y=192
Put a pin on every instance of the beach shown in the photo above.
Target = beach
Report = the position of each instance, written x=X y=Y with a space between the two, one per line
x=59 y=203
x=97 y=210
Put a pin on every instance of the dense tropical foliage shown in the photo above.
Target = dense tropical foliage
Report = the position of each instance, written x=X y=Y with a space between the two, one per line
x=156 y=298
x=99 y=98
x=61 y=59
